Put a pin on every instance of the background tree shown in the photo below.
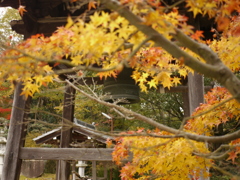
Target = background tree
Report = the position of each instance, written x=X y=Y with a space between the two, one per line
x=10 y=37
x=6 y=33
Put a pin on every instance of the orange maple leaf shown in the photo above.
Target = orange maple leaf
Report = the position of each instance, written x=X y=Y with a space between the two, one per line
x=222 y=23
x=101 y=75
x=154 y=3
x=232 y=156
x=109 y=142
x=197 y=35
x=21 y=10
x=91 y=5
x=181 y=61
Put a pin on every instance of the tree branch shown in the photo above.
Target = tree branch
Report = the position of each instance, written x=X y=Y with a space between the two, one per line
x=162 y=127
x=216 y=69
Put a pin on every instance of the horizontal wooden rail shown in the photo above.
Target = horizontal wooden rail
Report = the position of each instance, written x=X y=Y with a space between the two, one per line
x=84 y=154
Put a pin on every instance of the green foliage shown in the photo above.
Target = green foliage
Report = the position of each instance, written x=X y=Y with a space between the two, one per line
x=166 y=108
x=44 y=114
x=88 y=110
x=6 y=33
x=29 y=139
x=50 y=166
x=220 y=177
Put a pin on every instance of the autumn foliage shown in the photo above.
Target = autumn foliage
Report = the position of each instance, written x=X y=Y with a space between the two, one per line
x=5 y=101
x=161 y=158
x=108 y=42
x=154 y=154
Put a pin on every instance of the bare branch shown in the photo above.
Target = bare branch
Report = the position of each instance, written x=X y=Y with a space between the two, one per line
x=178 y=133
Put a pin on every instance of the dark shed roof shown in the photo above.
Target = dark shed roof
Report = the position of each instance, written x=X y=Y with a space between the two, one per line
x=81 y=131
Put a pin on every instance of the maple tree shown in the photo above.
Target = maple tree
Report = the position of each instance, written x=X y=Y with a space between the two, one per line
x=7 y=35
x=147 y=36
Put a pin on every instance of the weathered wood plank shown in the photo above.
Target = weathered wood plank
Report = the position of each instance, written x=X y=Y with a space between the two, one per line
x=16 y=136
x=84 y=154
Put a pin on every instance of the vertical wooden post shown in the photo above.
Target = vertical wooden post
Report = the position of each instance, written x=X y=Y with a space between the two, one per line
x=63 y=169
x=94 y=170
x=105 y=165
x=16 y=136
x=186 y=109
x=195 y=91
x=195 y=94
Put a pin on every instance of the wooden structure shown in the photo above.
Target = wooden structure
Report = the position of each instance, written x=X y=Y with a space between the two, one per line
x=83 y=135
x=44 y=16
x=15 y=151
x=32 y=168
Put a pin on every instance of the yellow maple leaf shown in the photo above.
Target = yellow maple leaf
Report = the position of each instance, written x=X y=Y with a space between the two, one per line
x=176 y=81
x=153 y=83
x=145 y=75
x=26 y=93
x=167 y=83
x=136 y=75
x=47 y=68
x=183 y=72
x=143 y=87
x=69 y=22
